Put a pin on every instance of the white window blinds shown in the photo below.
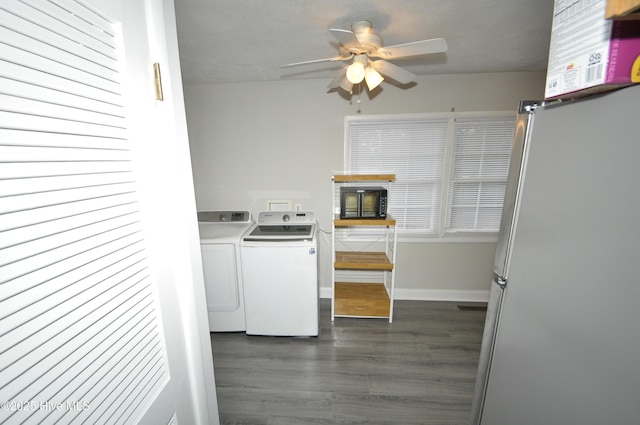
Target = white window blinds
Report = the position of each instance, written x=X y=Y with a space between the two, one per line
x=413 y=150
x=80 y=337
x=481 y=153
x=451 y=170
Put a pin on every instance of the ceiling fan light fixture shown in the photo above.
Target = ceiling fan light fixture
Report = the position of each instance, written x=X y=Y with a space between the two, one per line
x=372 y=77
x=370 y=60
x=355 y=72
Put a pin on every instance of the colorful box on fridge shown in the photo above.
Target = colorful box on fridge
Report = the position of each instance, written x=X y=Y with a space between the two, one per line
x=589 y=54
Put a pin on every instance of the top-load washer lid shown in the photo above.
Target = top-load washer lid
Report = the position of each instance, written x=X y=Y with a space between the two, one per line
x=283 y=226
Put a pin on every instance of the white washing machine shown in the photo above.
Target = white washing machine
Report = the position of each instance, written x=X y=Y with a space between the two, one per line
x=280 y=271
x=220 y=235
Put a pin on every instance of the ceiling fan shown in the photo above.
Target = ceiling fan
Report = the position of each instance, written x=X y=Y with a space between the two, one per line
x=369 y=59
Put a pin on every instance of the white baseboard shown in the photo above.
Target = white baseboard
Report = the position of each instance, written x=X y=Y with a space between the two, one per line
x=458 y=295
x=325 y=292
x=431 y=295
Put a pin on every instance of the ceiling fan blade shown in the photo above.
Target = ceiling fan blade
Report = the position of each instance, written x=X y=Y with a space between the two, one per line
x=424 y=47
x=346 y=38
x=335 y=83
x=392 y=71
x=333 y=59
x=340 y=81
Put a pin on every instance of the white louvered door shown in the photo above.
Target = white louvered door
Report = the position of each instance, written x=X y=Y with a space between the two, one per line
x=82 y=331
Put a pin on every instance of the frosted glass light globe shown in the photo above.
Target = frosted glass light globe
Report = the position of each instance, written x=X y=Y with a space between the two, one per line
x=355 y=72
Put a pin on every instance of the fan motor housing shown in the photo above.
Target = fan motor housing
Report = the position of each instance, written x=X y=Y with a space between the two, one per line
x=369 y=41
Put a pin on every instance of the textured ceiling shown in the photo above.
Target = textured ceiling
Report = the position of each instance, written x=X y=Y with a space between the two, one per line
x=248 y=40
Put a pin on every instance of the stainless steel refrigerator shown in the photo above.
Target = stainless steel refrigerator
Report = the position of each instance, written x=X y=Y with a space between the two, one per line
x=562 y=337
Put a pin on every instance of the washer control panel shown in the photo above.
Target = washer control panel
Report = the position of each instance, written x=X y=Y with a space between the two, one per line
x=286 y=217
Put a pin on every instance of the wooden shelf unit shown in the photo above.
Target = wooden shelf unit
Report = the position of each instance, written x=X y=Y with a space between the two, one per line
x=623 y=9
x=362 y=249
x=347 y=178
x=347 y=260
x=361 y=300
x=341 y=222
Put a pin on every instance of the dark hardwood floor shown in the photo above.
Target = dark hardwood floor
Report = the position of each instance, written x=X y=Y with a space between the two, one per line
x=420 y=369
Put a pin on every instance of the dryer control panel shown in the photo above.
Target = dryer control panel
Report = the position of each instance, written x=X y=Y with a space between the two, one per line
x=224 y=216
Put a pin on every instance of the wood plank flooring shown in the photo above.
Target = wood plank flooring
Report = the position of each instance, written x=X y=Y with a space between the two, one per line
x=420 y=369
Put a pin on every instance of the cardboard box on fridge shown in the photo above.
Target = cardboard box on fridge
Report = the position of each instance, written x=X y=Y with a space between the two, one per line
x=589 y=54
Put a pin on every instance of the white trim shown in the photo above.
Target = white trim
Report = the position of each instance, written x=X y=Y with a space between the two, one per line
x=448 y=238
x=462 y=239
x=446 y=179
x=458 y=295
x=430 y=115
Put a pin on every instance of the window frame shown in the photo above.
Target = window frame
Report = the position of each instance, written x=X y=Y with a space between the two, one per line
x=472 y=236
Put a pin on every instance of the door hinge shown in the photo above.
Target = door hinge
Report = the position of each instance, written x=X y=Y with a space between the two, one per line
x=157 y=81
x=502 y=282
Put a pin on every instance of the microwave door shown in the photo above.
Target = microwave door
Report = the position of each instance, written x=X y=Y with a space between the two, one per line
x=369 y=205
x=351 y=203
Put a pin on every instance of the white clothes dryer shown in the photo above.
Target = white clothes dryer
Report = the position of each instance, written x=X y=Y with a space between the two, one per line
x=220 y=235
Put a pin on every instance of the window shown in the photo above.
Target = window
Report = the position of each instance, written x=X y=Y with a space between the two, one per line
x=451 y=169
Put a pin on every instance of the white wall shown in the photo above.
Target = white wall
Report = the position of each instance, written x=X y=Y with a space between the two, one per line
x=252 y=142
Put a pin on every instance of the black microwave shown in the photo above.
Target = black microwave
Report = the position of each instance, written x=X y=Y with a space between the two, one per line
x=363 y=202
